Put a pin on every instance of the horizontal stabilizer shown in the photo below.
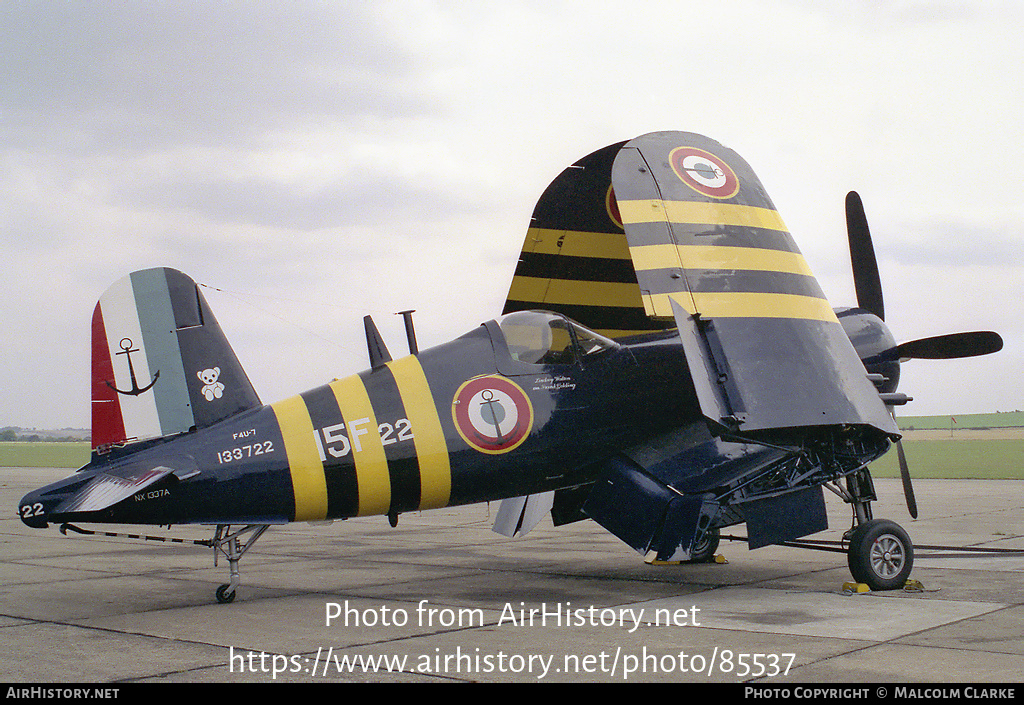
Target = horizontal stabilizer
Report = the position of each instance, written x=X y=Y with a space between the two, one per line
x=518 y=515
x=108 y=488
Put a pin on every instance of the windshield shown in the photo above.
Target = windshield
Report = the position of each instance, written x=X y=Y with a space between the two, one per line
x=542 y=338
x=590 y=342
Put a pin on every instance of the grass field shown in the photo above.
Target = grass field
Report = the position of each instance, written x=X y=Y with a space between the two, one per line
x=43 y=454
x=981 y=459
x=1008 y=419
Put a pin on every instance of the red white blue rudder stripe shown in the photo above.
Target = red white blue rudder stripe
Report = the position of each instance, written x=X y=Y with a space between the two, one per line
x=160 y=362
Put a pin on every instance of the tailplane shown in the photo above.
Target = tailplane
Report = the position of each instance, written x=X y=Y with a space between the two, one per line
x=160 y=362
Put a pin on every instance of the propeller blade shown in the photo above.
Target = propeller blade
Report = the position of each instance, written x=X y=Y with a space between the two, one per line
x=908 y=489
x=862 y=256
x=954 y=345
x=942 y=347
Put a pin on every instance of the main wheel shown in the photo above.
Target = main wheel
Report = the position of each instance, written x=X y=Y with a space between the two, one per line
x=881 y=555
x=704 y=550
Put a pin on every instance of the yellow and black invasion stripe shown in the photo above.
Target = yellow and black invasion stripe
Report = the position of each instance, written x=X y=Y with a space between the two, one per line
x=576 y=259
x=305 y=466
x=367 y=444
x=428 y=436
x=704 y=234
x=373 y=476
x=720 y=258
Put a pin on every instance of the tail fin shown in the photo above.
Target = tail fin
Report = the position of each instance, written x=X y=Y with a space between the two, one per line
x=160 y=362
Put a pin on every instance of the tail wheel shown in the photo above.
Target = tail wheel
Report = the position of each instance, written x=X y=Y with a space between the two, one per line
x=881 y=555
x=224 y=596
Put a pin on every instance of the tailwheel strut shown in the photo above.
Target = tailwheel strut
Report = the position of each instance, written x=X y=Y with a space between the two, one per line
x=233 y=546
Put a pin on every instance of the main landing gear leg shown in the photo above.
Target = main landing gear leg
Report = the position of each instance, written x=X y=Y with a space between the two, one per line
x=881 y=554
x=230 y=544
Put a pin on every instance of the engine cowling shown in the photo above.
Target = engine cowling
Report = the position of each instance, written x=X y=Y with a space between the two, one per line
x=874 y=344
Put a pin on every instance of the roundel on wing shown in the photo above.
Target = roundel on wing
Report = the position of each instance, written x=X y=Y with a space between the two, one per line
x=492 y=414
x=704 y=172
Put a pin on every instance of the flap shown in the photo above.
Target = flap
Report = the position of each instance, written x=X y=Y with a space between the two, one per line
x=518 y=515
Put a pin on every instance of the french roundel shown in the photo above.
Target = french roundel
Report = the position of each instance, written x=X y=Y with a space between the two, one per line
x=492 y=414
x=704 y=172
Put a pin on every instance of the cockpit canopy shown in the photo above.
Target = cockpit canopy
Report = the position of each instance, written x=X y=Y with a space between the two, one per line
x=545 y=338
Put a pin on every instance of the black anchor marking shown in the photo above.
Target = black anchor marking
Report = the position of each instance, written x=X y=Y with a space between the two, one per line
x=489 y=402
x=136 y=390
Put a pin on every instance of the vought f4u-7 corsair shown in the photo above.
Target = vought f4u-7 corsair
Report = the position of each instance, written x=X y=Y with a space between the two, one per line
x=665 y=365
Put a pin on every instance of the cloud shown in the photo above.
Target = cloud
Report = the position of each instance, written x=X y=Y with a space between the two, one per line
x=325 y=160
x=127 y=77
x=250 y=200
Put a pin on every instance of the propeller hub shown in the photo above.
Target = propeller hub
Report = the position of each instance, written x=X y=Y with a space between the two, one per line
x=873 y=342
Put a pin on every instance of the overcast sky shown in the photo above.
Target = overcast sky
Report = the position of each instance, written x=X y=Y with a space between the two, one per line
x=312 y=162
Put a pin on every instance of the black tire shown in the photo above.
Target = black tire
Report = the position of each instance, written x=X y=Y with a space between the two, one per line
x=881 y=555
x=704 y=549
x=223 y=596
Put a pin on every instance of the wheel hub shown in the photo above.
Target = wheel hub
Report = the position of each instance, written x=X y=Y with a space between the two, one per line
x=887 y=556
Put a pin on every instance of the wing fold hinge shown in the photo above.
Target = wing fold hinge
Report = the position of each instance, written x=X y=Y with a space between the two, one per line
x=717 y=394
